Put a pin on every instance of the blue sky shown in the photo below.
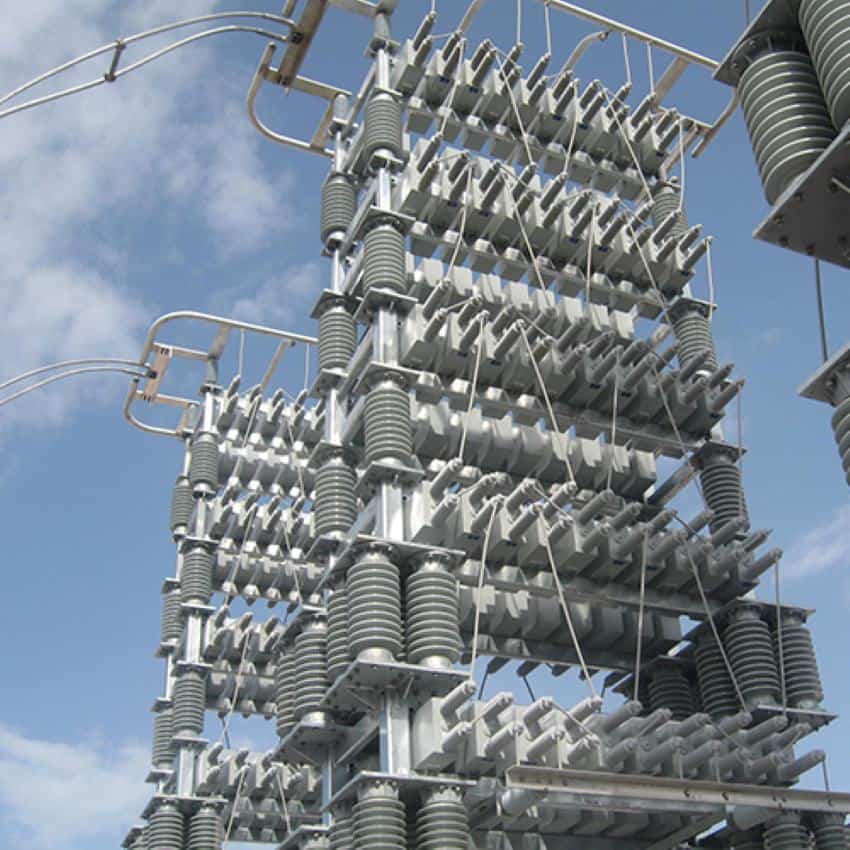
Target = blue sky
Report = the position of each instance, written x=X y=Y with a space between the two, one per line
x=155 y=194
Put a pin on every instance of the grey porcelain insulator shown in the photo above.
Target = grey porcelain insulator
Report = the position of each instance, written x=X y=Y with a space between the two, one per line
x=384 y=259
x=669 y=688
x=786 y=833
x=715 y=684
x=189 y=701
x=203 y=465
x=667 y=200
x=826 y=28
x=379 y=820
x=284 y=691
x=172 y=621
x=374 y=606
x=383 y=119
x=342 y=831
x=140 y=842
x=749 y=646
x=338 y=650
x=442 y=823
x=337 y=338
x=181 y=505
x=163 y=745
x=803 y=687
x=311 y=668
x=339 y=204
x=432 y=619
x=196 y=575
x=786 y=117
x=206 y=831
x=695 y=337
x=166 y=828
x=722 y=487
x=387 y=424
x=841 y=430
x=829 y=831
x=336 y=504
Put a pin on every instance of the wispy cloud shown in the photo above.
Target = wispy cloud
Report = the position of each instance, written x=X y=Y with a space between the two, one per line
x=160 y=138
x=59 y=796
x=824 y=548
x=275 y=301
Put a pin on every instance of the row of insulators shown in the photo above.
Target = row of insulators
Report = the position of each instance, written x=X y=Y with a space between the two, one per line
x=365 y=618
x=439 y=286
x=524 y=450
x=771 y=666
x=259 y=774
x=475 y=738
x=518 y=624
x=595 y=375
x=250 y=418
x=605 y=547
x=550 y=108
x=455 y=192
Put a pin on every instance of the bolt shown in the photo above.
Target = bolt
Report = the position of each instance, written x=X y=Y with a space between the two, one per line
x=783 y=241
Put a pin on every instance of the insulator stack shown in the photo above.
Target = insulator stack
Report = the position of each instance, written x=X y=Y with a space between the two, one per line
x=384 y=263
x=484 y=471
x=284 y=691
x=311 y=668
x=336 y=504
x=389 y=433
x=826 y=27
x=379 y=819
x=786 y=833
x=829 y=831
x=196 y=576
x=692 y=328
x=720 y=479
x=339 y=204
x=795 y=652
x=432 y=619
x=442 y=822
x=166 y=828
x=140 y=842
x=189 y=702
x=841 y=429
x=669 y=688
x=206 y=831
x=338 y=650
x=342 y=830
x=163 y=746
x=717 y=692
x=182 y=504
x=667 y=201
x=383 y=125
x=750 y=649
x=374 y=607
x=337 y=337
x=786 y=116
x=172 y=625
x=203 y=465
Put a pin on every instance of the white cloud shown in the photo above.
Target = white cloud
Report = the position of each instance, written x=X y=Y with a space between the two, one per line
x=824 y=548
x=277 y=300
x=156 y=137
x=59 y=796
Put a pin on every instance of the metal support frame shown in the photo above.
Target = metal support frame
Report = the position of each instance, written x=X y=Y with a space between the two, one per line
x=158 y=356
